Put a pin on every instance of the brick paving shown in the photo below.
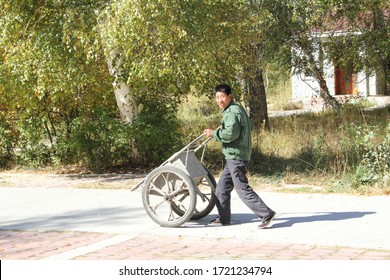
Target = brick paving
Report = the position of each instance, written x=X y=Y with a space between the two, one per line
x=36 y=245
x=33 y=245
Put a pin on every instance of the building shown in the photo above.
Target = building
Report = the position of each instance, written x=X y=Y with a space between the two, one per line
x=343 y=84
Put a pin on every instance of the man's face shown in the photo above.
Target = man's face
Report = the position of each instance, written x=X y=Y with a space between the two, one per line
x=223 y=100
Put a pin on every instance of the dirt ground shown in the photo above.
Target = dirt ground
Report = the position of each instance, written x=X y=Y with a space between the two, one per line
x=47 y=180
x=60 y=179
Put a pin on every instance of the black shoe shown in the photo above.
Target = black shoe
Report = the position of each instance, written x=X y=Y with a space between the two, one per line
x=217 y=222
x=266 y=221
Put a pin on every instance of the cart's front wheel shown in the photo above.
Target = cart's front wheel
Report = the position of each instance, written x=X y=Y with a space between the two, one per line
x=161 y=195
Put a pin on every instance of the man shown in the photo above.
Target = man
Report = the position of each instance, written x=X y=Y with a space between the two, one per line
x=235 y=135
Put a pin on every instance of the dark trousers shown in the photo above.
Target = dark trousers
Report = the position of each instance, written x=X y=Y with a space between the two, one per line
x=234 y=175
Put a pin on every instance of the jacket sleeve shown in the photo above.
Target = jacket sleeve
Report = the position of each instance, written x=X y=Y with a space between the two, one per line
x=229 y=131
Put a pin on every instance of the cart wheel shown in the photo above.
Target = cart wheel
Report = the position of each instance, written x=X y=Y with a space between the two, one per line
x=161 y=195
x=206 y=199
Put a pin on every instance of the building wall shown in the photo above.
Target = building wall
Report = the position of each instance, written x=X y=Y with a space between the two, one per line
x=305 y=88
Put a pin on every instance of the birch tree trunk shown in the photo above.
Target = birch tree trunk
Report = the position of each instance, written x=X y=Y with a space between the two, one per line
x=329 y=100
x=126 y=103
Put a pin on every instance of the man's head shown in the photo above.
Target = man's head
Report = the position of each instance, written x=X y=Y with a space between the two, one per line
x=223 y=95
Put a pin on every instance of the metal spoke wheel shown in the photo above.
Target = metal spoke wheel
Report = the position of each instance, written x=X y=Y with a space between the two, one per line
x=205 y=197
x=162 y=195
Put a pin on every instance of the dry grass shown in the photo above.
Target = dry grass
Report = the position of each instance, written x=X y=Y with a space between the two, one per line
x=279 y=97
x=316 y=152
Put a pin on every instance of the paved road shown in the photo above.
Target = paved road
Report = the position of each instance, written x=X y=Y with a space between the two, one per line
x=62 y=222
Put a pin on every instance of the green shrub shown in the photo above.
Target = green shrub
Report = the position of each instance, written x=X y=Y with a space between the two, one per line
x=99 y=144
x=155 y=134
x=97 y=141
x=33 y=147
x=6 y=144
x=375 y=163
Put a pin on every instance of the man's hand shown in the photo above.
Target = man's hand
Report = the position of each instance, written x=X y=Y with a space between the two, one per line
x=208 y=133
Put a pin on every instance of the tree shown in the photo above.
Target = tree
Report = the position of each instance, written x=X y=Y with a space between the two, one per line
x=164 y=49
x=356 y=33
x=365 y=43
x=154 y=50
x=55 y=55
x=52 y=64
x=306 y=21
x=269 y=35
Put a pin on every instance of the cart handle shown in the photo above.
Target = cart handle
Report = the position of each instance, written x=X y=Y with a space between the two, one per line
x=194 y=141
x=203 y=144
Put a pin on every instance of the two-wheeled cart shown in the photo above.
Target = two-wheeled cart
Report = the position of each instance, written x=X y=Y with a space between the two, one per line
x=180 y=189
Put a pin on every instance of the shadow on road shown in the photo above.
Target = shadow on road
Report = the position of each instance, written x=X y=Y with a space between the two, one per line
x=109 y=216
x=318 y=217
x=288 y=219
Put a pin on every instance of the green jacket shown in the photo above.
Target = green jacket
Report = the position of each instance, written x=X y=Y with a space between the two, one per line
x=235 y=133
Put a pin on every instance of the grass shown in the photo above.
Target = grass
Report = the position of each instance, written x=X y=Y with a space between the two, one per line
x=312 y=152
x=320 y=149
x=279 y=97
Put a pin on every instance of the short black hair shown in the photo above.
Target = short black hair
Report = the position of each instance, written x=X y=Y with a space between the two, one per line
x=223 y=88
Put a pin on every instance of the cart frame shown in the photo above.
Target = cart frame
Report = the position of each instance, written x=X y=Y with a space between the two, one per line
x=181 y=188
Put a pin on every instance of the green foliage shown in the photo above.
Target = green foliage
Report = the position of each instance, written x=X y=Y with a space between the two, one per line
x=367 y=46
x=371 y=146
x=375 y=163
x=99 y=144
x=168 y=47
x=51 y=60
x=34 y=150
x=6 y=143
x=155 y=134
